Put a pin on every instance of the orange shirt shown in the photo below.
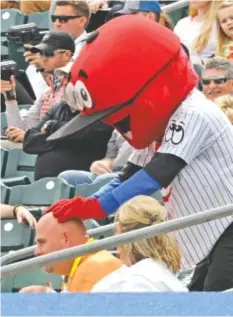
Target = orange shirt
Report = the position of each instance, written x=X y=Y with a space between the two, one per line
x=91 y=269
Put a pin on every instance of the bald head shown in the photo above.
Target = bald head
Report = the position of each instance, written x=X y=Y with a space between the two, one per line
x=53 y=236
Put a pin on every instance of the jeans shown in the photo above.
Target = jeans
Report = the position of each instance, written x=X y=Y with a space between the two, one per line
x=76 y=178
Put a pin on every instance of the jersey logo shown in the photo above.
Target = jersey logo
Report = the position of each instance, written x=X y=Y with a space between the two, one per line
x=175 y=132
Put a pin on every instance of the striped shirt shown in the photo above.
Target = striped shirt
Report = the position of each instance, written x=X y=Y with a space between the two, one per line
x=201 y=135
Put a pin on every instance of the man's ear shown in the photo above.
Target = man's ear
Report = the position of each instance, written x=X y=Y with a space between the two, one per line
x=65 y=236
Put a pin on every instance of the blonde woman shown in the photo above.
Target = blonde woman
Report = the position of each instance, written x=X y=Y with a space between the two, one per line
x=198 y=31
x=225 y=30
x=225 y=103
x=150 y=264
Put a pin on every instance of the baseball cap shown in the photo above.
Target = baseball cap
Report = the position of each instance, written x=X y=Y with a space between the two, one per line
x=133 y=6
x=53 y=41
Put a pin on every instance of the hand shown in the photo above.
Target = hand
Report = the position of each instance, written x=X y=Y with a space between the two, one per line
x=15 y=134
x=34 y=289
x=33 y=58
x=23 y=215
x=100 y=167
x=77 y=207
x=8 y=86
x=95 y=5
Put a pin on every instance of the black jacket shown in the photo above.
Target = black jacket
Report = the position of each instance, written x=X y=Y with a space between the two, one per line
x=74 y=153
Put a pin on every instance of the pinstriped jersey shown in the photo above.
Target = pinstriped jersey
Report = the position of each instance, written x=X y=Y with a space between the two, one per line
x=201 y=135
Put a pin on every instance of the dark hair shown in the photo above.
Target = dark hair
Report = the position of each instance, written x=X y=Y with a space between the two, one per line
x=80 y=6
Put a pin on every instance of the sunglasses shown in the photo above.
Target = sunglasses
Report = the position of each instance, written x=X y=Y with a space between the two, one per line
x=64 y=18
x=217 y=81
x=51 y=54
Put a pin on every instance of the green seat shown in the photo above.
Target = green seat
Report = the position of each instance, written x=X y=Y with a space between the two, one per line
x=9 y=17
x=20 y=164
x=33 y=277
x=43 y=192
x=15 y=236
x=179 y=14
x=5 y=194
x=41 y=20
x=4 y=123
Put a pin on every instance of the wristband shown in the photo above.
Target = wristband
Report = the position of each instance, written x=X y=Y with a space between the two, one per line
x=14 y=209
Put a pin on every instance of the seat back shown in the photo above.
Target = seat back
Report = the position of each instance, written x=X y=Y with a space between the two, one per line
x=43 y=192
x=4 y=158
x=20 y=163
x=15 y=236
x=178 y=14
x=41 y=20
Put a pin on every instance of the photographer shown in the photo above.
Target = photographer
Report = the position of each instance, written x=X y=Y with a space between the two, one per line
x=68 y=16
x=56 y=50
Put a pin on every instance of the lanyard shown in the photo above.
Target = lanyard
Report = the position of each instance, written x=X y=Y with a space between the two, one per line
x=74 y=267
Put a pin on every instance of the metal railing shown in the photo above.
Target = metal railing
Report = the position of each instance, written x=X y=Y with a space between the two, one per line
x=175 y=6
x=144 y=233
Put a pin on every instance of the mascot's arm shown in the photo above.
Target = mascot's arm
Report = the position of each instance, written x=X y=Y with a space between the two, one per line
x=159 y=173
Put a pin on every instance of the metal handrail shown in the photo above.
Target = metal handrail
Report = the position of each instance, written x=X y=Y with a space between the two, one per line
x=175 y=6
x=14 y=256
x=135 y=235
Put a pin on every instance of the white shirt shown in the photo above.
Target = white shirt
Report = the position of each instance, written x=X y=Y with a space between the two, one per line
x=188 y=30
x=37 y=80
x=145 y=276
x=200 y=134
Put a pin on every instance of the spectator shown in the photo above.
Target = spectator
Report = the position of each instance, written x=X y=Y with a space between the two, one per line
x=150 y=264
x=77 y=152
x=225 y=103
x=71 y=17
x=217 y=78
x=101 y=171
x=81 y=273
x=62 y=46
x=150 y=9
x=19 y=212
x=197 y=31
x=26 y=6
x=225 y=30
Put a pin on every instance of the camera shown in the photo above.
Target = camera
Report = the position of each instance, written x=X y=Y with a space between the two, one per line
x=8 y=68
x=25 y=34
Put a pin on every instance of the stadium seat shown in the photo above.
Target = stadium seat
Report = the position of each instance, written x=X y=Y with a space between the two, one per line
x=19 y=168
x=33 y=277
x=43 y=192
x=41 y=19
x=5 y=194
x=15 y=236
x=178 y=14
x=4 y=157
x=4 y=123
x=9 y=17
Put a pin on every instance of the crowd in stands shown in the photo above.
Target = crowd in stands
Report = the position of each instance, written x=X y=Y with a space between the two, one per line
x=99 y=153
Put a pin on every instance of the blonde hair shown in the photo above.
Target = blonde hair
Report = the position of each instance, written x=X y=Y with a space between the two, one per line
x=140 y=212
x=205 y=33
x=166 y=21
x=223 y=39
x=225 y=103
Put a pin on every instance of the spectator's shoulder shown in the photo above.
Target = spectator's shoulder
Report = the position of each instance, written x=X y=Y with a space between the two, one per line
x=102 y=258
x=183 y=22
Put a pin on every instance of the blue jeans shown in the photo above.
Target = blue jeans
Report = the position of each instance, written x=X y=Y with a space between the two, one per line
x=76 y=178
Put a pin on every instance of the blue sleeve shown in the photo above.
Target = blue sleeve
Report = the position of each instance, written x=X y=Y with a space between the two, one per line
x=140 y=183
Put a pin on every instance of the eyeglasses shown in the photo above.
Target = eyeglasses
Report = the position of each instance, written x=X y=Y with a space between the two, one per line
x=64 y=18
x=51 y=54
x=217 y=81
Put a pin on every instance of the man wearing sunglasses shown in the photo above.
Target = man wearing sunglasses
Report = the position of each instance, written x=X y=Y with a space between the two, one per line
x=71 y=17
x=217 y=78
x=55 y=50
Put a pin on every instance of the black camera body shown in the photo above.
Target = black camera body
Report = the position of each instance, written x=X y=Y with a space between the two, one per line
x=8 y=68
x=25 y=34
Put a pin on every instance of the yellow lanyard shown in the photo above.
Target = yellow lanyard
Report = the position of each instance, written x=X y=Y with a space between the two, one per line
x=74 y=267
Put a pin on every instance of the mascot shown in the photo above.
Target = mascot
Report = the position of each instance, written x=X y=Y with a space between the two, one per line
x=134 y=75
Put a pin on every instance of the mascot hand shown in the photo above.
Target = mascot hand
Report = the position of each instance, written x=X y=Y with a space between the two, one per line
x=77 y=207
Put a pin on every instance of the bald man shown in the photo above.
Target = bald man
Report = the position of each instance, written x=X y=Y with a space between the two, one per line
x=81 y=273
